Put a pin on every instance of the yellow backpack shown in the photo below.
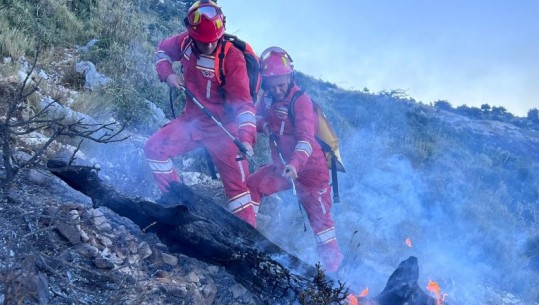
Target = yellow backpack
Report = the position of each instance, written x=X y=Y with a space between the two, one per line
x=328 y=140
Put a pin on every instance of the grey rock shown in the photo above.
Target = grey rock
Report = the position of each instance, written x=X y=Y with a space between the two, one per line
x=193 y=278
x=69 y=231
x=144 y=250
x=99 y=220
x=170 y=260
x=93 y=78
x=237 y=290
x=87 y=250
x=103 y=263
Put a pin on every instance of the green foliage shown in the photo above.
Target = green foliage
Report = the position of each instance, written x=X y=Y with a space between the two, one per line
x=15 y=22
x=118 y=23
x=124 y=52
x=23 y=118
x=51 y=23
x=443 y=104
x=322 y=291
x=533 y=115
x=53 y=19
x=126 y=33
x=83 y=9
x=14 y=42
x=471 y=112
x=499 y=110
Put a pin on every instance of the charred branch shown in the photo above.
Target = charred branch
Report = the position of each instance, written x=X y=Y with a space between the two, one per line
x=14 y=125
x=200 y=228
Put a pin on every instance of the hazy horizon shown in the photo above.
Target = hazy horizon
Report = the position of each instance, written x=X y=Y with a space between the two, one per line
x=469 y=53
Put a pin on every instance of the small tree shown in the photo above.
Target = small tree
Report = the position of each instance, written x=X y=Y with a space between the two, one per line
x=533 y=115
x=443 y=104
x=462 y=109
x=485 y=107
x=323 y=291
x=474 y=112
x=499 y=111
x=14 y=124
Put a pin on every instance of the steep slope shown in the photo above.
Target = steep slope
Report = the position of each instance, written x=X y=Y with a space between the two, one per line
x=464 y=190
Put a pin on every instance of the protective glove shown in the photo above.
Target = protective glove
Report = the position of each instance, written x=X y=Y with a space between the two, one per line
x=290 y=171
x=249 y=149
x=174 y=81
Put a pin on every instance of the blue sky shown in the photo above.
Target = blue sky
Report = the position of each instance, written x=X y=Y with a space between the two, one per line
x=466 y=52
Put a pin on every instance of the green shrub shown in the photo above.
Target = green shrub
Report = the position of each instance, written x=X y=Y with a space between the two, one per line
x=323 y=291
x=15 y=38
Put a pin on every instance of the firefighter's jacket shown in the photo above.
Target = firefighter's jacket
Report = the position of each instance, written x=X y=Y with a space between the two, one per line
x=296 y=140
x=231 y=104
x=298 y=146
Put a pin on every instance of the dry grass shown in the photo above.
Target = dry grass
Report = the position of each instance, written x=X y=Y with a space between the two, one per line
x=123 y=51
x=13 y=42
x=98 y=104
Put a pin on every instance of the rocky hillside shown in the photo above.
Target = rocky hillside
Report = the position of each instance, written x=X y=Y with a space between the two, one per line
x=424 y=189
x=457 y=191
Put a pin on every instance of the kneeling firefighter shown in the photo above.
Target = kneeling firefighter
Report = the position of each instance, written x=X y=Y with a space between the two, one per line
x=297 y=158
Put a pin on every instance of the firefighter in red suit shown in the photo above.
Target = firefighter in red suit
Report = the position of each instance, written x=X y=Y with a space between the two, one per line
x=297 y=158
x=230 y=103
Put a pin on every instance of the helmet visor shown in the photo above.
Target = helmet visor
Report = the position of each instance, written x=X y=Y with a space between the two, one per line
x=211 y=12
x=274 y=50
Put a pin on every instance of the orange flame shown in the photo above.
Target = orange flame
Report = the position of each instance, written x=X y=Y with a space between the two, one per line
x=364 y=292
x=408 y=242
x=351 y=299
x=434 y=287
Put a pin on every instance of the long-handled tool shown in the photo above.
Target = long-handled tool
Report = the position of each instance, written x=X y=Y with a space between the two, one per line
x=280 y=153
x=210 y=115
x=209 y=161
x=171 y=100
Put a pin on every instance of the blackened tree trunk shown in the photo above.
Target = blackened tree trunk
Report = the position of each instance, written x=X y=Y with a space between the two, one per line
x=200 y=228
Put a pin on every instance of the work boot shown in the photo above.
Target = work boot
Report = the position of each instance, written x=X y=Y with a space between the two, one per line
x=331 y=256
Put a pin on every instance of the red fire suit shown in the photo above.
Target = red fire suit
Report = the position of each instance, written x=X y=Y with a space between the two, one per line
x=193 y=129
x=299 y=148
